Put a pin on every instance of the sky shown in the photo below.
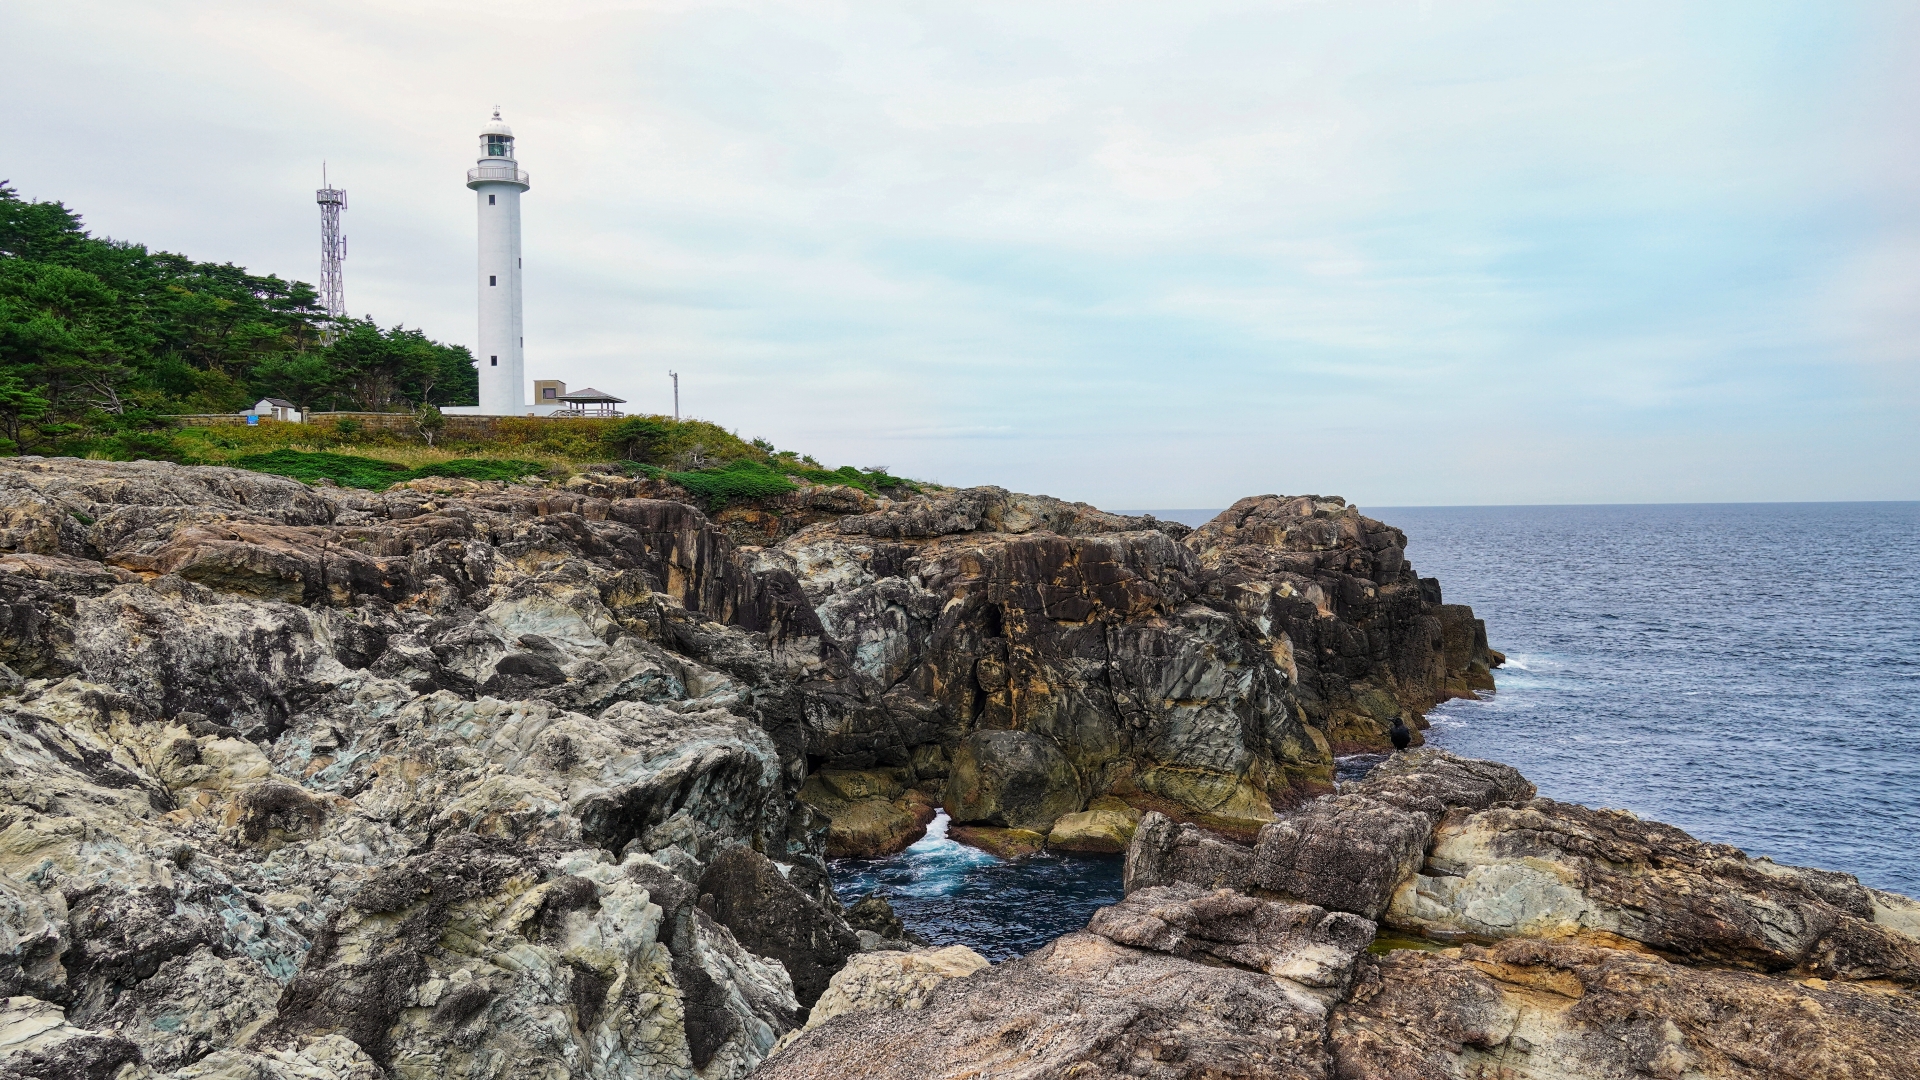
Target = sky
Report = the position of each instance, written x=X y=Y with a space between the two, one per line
x=1144 y=255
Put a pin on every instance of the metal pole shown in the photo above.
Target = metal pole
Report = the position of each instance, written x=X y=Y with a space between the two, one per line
x=676 y=395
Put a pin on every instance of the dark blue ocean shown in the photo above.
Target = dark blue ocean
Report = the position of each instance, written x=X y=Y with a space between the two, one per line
x=1748 y=672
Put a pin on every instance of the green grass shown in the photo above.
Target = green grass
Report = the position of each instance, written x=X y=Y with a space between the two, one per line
x=348 y=470
x=350 y=453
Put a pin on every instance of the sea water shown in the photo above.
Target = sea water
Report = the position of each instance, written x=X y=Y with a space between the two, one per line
x=1749 y=673
x=953 y=894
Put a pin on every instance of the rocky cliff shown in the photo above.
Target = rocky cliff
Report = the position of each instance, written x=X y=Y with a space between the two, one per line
x=484 y=780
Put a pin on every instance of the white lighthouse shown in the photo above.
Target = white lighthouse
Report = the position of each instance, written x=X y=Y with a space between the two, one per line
x=498 y=181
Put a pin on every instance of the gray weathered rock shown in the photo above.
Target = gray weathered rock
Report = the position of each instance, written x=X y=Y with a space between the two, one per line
x=1165 y=852
x=1564 y=1011
x=1555 y=870
x=893 y=979
x=244 y=709
x=1081 y=1006
x=745 y=892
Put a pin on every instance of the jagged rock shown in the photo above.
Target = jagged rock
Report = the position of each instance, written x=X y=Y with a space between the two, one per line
x=33 y=929
x=1563 y=1011
x=872 y=914
x=330 y=1057
x=893 y=980
x=1164 y=672
x=1081 y=1006
x=1555 y=870
x=1012 y=780
x=481 y=954
x=1307 y=946
x=192 y=1006
x=745 y=892
x=1311 y=571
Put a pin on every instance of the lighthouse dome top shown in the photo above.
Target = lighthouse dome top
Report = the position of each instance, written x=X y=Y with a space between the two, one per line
x=497 y=126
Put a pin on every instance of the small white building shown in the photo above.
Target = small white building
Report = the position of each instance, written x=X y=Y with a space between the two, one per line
x=274 y=408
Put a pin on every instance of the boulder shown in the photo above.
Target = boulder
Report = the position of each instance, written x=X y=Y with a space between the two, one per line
x=1350 y=852
x=872 y=914
x=869 y=814
x=1001 y=843
x=1164 y=852
x=1012 y=780
x=1103 y=832
x=893 y=980
x=1344 y=852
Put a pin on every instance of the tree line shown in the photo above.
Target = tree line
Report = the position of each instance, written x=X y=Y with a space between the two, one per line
x=101 y=338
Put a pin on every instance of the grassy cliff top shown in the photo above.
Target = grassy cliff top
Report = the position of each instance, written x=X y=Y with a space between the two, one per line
x=701 y=456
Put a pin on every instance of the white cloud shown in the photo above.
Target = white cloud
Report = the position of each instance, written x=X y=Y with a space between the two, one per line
x=1140 y=254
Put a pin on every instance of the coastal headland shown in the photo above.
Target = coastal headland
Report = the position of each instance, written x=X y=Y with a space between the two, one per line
x=491 y=778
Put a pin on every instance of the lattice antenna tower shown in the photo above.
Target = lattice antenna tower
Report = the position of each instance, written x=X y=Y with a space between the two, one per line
x=333 y=251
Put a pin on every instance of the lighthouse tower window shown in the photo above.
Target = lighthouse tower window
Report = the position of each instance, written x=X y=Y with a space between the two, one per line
x=490 y=200
x=499 y=146
x=496 y=362
x=493 y=279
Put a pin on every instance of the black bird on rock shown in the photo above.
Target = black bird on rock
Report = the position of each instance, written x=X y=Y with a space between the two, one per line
x=1401 y=735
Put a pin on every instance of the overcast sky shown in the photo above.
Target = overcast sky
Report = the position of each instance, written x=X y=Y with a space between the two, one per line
x=1142 y=254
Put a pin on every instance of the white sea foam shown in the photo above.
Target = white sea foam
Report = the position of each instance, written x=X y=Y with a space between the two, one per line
x=936 y=865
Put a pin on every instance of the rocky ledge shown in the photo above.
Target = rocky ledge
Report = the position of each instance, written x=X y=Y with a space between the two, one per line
x=1435 y=921
x=479 y=780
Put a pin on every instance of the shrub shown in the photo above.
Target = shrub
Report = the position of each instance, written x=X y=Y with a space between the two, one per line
x=745 y=479
x=633 y=437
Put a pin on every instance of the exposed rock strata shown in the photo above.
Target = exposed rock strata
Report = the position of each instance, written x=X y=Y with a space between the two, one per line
x=1346 y=852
